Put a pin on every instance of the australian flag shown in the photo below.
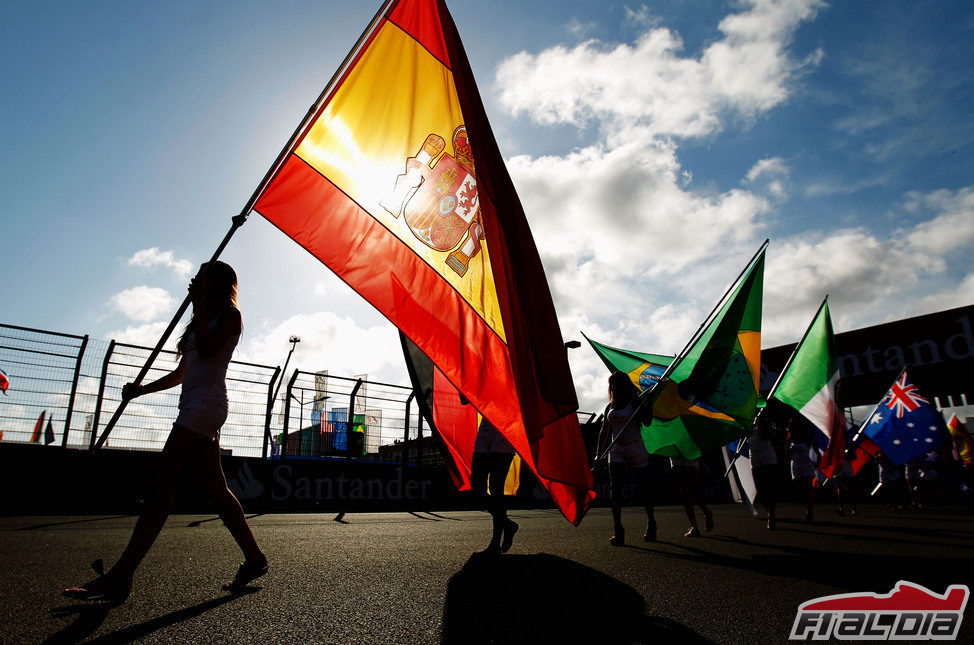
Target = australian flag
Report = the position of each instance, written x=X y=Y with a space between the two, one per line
x=905 y=424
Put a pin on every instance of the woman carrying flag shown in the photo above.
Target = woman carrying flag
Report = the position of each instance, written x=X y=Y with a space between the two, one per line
x=627 y=451
x=205 y=350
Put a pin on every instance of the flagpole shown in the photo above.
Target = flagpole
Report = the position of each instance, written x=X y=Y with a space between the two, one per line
x=862 y=427
x=737 y=454
x=240 y=219
x=646 y=396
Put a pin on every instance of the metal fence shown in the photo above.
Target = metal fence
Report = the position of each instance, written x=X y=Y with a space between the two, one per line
x=148 y=419
x=43 y=370
x=317 y=406
x=73 y=384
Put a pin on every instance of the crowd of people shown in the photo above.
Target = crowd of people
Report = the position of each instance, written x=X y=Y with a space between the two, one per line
x=785 y=456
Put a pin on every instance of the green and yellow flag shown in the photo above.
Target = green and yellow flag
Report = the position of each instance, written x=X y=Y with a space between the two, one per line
x=710 y=396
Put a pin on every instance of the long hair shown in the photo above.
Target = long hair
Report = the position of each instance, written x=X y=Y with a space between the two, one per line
x=220 y=295
x=621 y=390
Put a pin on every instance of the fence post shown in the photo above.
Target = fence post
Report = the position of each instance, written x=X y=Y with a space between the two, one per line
x=270 y=411
x=101 y=393
x=287 y=415
x=348 y=423
x=405 y=430
x=74 y=390
x=419 y=442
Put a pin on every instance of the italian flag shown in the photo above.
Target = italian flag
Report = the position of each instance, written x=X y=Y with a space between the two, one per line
x=809 y=384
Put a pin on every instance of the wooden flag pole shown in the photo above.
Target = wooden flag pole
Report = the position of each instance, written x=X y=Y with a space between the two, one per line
x=239 y=220
x=646 y=396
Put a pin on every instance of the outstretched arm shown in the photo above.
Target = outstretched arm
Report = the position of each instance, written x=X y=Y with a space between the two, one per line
x=172 y=379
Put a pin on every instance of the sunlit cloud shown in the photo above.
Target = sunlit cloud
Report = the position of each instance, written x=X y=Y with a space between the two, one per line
x=143 y=303
x=153 y=257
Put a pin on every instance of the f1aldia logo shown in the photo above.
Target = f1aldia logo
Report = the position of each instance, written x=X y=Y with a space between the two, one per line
x=908 y=612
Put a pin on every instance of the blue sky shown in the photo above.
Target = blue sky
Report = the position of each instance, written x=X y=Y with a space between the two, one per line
x=654 y=146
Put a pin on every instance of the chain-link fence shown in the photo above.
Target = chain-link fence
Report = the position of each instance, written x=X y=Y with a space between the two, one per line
x=315 y=407
x=40 y=376
x=62 y=389
x=147 y=420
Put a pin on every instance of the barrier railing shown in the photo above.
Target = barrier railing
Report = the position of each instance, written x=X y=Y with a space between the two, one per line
x=75 y=383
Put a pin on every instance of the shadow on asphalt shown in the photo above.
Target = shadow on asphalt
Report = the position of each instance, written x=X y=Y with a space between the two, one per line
x=843 y=570
x=197 y=523
x=37 y=527
x=90 y=617
x=516 y=598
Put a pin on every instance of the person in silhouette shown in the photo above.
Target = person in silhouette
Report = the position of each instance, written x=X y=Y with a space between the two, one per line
x=764 y=465
x=492 y=458
x=804 y=456
x=628 y=453
x=193 y=445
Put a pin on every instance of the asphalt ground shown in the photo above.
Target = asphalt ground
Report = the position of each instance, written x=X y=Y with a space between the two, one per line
x=412 y=577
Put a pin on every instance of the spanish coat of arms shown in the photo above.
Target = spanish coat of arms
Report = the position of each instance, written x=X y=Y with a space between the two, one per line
x=437 y=196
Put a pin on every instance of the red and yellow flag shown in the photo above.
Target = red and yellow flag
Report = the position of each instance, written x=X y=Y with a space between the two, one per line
x=398 y=186
x=963 y=442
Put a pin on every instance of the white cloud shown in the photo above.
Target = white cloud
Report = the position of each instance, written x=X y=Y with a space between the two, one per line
x=771 y=173
x=649 y=86
x=329 y=342
x=873 y=277
x=952 y=228
x=143 y=303
x=605 y=215
x=144 y=335
x=621 y=229
x=153 y=257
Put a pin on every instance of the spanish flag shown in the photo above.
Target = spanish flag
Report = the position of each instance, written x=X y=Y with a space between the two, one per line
x=397 y=184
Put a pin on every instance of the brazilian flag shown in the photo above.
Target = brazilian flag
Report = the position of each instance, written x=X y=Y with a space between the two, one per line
x=711 y=394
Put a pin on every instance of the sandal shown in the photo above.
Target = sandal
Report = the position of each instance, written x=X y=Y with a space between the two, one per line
x=509 y=530
x=692 y=532
x=619 y=539
x=247 y=573
x=104 y=588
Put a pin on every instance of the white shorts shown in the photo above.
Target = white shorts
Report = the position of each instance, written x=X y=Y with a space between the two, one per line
x=202 y=415
x=631 y=453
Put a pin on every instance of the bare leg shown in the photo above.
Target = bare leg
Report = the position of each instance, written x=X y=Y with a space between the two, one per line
x=616 y=477
x=641 y=475
x=214 y=484
x=181 y=447
x=500 y=463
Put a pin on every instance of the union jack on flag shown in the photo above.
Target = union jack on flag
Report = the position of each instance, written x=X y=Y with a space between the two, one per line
x=903 y=397
x=904 y=425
